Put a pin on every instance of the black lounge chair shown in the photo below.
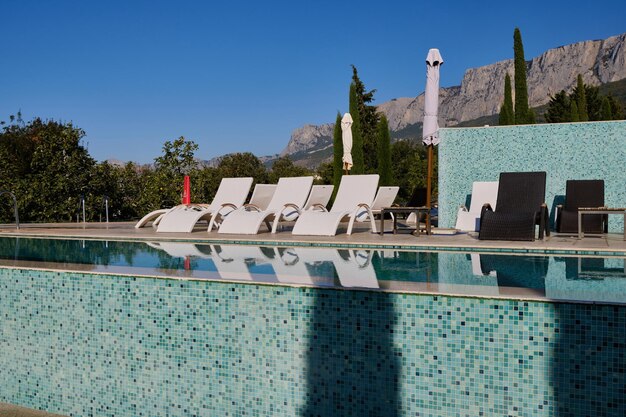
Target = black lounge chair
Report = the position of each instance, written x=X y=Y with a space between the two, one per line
x=519 y=207
x=582 y=193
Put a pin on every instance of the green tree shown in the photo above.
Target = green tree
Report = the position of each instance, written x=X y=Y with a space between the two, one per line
x=616 y=108
x=594 y=102
x=574 y=114
x=368 y=122
x=284 y=167
x=507 y=116
x=204 y=184
x=384 y=152
x=606 y=109
x=581 y=100
x=166 y=182
x=522 y=111
x=178 y=157
x=61 y=171
x=410 y=167
x=325 y=173
x=358 y=166
x=559 y=110
x=337 y=152
x=242 y=165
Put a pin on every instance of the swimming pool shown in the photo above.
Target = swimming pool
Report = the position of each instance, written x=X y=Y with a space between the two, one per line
x=244 y=330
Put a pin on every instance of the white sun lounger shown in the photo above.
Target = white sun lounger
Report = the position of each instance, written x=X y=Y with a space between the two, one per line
x=318 y=199
x=355 y=195
x=482 y=192
x=261 y=197
x=384 y=198
x=230 y=195
x=289 y=198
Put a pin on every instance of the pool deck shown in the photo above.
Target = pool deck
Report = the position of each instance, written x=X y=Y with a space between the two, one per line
x=609 y=244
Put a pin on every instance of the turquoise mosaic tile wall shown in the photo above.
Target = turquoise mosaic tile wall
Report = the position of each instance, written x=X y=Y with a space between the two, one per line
x=594 y=150
x=84 y=345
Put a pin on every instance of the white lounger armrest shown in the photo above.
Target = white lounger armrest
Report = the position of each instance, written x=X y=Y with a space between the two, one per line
x=355 y=214
x=318 y=207
x=216 y=219
x=289 y=211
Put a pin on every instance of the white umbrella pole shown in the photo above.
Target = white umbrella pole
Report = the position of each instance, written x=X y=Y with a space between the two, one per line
x=429 y=184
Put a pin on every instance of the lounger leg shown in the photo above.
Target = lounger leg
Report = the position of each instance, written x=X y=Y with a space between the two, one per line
x=274 y=228
x=212 y=222
x=351 y=224
x=372 y=220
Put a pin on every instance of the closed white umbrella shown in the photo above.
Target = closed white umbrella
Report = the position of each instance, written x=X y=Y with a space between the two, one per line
x=430 y=129
x=346 y=138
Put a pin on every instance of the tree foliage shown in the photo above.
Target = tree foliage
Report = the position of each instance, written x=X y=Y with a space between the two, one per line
x=358 y=162
x=243 y=165
x=337 y=152
x=607 y=113
x=559 y=110
x=410 y=167
x=581 y=100
x=565 y=107
x=284 y=167
x=523 y=113
x=368 y=122
x=507 y=116
x=384 y=152
x=574 y=113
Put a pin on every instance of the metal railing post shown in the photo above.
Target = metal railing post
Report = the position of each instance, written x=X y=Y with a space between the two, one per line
x=106 y=207
x=82 y=201
x=15 y=212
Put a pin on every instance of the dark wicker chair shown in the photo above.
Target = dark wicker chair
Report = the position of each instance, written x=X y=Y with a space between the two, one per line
x=582 y=193
x=519 y=207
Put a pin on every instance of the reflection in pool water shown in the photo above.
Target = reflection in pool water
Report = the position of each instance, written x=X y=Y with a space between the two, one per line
x=517 y=276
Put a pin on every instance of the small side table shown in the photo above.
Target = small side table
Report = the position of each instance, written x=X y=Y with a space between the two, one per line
x=598 y=210
x=405 y=210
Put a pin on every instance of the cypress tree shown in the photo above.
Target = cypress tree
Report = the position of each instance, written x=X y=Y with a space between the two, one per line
x=583 y=116
x=607 y=114
x=337 y=152
x=616 y=108
x=384 y=152
x=522 y=111
x=368 y=122
x=507 y=117
x=357 y=138
x=574 y=115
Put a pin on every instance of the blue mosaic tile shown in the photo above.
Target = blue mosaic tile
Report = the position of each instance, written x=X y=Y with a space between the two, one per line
x=82 y=345
x=594 y=150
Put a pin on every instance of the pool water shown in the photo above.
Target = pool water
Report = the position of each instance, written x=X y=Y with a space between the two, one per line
x=93 y=329
x=591 y=279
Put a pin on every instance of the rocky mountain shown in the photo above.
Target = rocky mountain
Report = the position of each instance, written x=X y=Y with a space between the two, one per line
x=481 y=93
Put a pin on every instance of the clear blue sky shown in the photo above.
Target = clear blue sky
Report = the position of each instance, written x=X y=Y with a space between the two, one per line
x=240 y=76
